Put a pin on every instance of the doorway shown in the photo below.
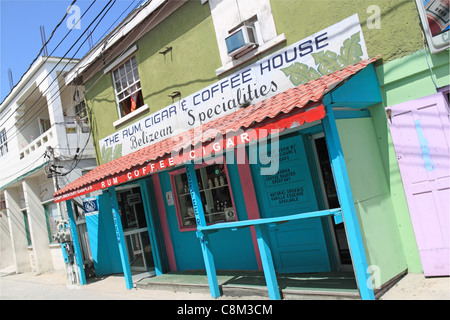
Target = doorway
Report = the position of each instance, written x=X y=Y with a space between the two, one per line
x=297 y=246
x=135 y=229
x=331 y=201
x=420 y=131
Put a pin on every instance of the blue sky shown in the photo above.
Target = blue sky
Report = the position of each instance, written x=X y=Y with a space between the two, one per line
x=20 y=37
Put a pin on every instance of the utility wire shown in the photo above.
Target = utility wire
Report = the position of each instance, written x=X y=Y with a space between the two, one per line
x=80 y=48
x=40 y=51
x=97 y=80
x=43 y=94
x=37 y=111
x=56 y=78
x=57 y=94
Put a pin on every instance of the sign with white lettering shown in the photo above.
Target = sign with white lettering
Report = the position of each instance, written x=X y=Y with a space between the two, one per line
x=326 y=51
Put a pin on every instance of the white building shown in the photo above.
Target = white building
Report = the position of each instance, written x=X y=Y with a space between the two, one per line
x=43 y=128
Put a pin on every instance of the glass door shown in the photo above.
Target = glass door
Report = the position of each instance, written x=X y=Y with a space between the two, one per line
x=137 y=239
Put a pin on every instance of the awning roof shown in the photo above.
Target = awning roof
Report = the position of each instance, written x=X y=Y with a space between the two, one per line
x=285 y=110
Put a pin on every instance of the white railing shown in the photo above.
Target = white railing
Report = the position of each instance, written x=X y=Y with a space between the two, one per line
x=38 y=144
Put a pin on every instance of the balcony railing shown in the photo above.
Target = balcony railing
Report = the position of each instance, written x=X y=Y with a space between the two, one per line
x=38 y=144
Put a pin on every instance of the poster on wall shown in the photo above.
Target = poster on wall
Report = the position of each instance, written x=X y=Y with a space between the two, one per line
x=322 y=53
x=434 y=15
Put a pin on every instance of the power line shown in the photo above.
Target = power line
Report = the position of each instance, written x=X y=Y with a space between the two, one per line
x=38 y=110
x=69 y=61
x=43 y=46
x=56 y=78
x=79 y=159
x=45 y=62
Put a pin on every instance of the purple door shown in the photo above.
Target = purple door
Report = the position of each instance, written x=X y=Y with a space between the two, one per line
x=421 y=135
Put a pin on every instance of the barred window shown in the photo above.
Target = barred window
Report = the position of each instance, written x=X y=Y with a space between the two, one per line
x=128 y=87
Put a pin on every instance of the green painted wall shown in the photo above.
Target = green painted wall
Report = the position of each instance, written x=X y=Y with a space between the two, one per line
x=402 y=80
x=186 y=68
x=399 y=33
x=373 y=201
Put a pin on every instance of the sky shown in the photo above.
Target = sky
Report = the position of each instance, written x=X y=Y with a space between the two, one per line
x=20 y=35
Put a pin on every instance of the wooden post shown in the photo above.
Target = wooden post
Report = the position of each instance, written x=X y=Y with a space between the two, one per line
x=76 y=243
x=120 y=238
x=203 y=237
x=267 y=262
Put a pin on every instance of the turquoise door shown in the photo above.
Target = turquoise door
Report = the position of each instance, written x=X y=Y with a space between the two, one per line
x=297 y=246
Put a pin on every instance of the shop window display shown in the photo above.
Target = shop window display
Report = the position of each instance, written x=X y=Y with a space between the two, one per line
x=215 y=194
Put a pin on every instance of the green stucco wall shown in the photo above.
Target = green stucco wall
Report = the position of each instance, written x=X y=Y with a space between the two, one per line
x=401 y=80
x=371 y=194
x=399 y=33
x=185 y=68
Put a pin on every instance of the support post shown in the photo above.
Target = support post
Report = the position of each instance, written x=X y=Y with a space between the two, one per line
x=120 y=238
x=346 y=200
x=267 y=262
x=75 y=242
x=203 y=237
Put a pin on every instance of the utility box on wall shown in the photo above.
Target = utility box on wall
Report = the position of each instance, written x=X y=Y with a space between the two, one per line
x=103 y=241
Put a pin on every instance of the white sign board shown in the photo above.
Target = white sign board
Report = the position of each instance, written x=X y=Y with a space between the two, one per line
x=322 y=53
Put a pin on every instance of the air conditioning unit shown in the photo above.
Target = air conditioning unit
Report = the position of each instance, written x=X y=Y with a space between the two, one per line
x=241 y=40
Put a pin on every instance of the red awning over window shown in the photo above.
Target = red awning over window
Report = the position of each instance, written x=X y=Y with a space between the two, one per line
x=289 y=109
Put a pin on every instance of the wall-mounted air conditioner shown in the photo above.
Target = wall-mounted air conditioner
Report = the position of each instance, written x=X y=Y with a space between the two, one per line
x=241 y=40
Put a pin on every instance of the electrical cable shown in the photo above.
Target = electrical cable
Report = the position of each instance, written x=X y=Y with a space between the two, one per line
x=80 y=48
x=70 y=30
x=77 y=162
x=40 y=51
x=38 y=110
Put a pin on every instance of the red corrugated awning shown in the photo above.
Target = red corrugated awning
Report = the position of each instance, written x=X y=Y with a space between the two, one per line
x=289 y=109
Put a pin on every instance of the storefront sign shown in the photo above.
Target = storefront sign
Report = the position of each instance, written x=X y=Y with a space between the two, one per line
x=326 y=51
x=212 y=148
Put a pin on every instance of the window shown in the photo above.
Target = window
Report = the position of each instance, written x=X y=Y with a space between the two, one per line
x=51 y=217
x=3 y=143
x=26 y=227
x=44 y=125
x=215 y=194
x=80 y=110
x=251 y=19
x=128 y=87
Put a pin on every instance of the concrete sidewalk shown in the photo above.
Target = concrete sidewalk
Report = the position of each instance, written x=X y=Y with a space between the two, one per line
x=417 y=287
x=53 y=286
